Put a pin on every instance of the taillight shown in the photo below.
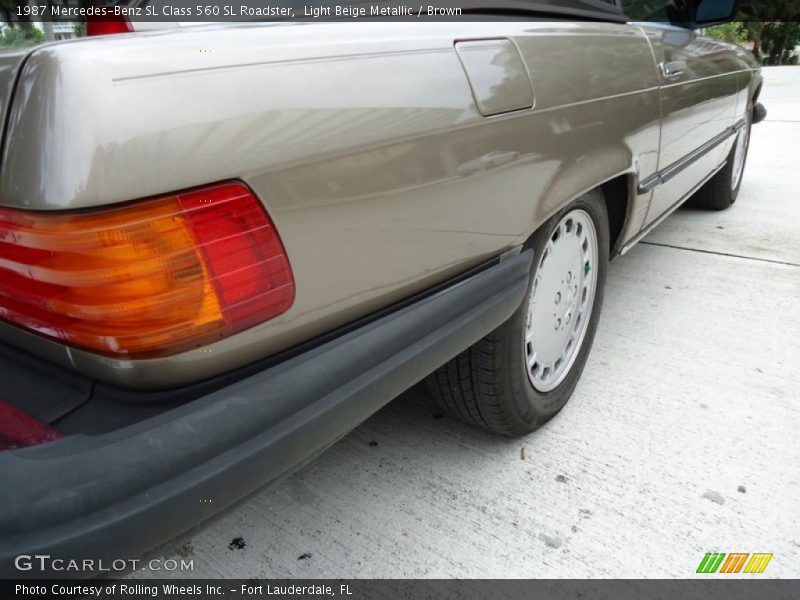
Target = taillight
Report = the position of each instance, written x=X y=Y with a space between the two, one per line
x=18 y=429
x=107 y=25
x=146 y=279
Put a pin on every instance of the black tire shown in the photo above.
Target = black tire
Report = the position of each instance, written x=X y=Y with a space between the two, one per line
x=488 y=385
x=718 y=193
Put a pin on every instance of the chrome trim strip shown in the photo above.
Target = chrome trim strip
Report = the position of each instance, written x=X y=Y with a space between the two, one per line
x=709 y=77
x=654 y=88
x=669 y=172
x=638 y=237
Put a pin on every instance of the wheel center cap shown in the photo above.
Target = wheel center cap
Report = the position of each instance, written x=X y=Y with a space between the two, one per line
x=565 y=301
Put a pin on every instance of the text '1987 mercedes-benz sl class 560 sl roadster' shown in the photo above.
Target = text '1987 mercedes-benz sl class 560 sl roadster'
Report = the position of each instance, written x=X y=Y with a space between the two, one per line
x=223 y=246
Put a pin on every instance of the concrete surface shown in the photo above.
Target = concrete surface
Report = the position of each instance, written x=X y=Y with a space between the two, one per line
x=682 y=436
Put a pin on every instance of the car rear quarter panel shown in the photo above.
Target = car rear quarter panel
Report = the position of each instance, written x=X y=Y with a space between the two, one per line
x=364 y=143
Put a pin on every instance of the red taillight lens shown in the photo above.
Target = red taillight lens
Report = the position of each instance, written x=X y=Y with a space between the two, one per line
x=148 y=279
x=107 y=25
x=18 y=429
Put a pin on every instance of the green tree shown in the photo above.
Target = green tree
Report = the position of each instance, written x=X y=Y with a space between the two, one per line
x=728 y=32
x=8 y=13
x=760 y=15
x=779 y=41
x=16 y=36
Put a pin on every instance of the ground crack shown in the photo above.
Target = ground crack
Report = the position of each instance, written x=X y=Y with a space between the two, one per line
x=765 y=260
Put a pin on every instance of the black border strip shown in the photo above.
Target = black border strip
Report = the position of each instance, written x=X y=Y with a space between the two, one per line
x=141 y=485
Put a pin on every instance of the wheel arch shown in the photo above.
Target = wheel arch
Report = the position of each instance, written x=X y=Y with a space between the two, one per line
x=618 y=195
x=610 y=170
x=757 y=93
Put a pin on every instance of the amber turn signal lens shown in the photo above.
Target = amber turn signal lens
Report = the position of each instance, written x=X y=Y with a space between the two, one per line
x=147 y=279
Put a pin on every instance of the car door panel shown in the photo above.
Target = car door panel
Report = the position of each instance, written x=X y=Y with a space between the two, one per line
x=699 y=93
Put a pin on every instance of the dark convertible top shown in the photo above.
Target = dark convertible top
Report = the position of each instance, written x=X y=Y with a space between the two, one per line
x=605 y=10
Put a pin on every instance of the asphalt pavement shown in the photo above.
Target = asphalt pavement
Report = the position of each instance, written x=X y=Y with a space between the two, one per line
x=683 y=435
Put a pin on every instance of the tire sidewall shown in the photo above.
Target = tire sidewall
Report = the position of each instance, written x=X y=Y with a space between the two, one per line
x=732 y=157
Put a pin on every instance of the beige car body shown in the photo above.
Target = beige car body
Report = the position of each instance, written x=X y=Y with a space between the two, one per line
x=391 y=157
